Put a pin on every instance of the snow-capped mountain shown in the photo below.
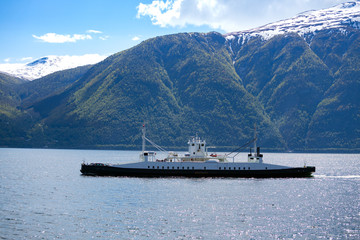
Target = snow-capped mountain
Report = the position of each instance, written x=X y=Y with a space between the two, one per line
x=340 y=16
x=49 y=64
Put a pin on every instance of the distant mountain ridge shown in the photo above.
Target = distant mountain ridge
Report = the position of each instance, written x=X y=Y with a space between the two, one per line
x=49 y=64
x=307 y=23
x=302 y=92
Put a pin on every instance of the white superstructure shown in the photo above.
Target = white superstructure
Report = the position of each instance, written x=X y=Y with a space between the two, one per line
x=197 y=158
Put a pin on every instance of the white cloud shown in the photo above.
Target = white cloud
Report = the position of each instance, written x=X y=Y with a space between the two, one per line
x=226 y=15
x=7 y=60
x=161 y=13
x=94 y=31
x=104 y=37
x=59 y=38
x=136 y=38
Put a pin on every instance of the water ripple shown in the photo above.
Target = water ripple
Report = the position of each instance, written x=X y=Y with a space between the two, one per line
x=43 y=195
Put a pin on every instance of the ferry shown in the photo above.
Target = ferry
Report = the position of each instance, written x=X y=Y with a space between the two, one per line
x=197 y=163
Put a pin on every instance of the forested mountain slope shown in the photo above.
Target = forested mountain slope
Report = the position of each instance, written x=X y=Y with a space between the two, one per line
x=298 y=80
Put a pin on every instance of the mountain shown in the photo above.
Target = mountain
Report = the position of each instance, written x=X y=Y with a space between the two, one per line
x=18 y=125
x=13 y=121
x=288 y=79
x=297 y=67
x=38 y=89
x=179 y=84
x=308 y=23
x=49 y=64
x=8 y=95
x=300 y=87
x=336 y=121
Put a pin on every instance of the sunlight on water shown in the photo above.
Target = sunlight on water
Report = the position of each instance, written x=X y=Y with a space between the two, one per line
x=43 y=195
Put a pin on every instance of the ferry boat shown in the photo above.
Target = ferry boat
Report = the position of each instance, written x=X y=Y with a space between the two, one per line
x=197 y=163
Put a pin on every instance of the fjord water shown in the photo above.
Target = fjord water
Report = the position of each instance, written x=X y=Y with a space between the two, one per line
x=44 y=196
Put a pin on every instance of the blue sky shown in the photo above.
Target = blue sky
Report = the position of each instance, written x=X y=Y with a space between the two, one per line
x=30 y=29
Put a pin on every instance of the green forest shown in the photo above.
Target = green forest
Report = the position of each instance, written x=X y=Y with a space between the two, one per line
x=302 y=93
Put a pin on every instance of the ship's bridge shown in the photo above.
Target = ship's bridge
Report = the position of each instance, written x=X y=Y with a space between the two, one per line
x=197 y=147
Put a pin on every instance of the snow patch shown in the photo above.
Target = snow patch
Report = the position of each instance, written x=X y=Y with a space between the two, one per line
x=230 y=37
x=49 y=64
x=339 y=16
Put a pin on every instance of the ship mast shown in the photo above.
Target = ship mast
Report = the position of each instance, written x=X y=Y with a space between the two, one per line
x=255 y=138
x=143 y=139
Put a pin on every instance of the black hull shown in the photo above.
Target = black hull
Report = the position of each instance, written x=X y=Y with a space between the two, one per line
x=105 y=170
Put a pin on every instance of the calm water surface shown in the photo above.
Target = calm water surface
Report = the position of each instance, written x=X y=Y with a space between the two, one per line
x=43 y=196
